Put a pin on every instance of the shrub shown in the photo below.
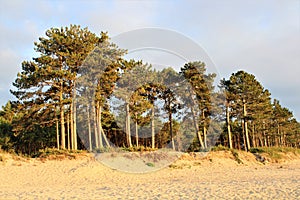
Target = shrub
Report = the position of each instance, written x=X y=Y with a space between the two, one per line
x=150 y=164
x=103 y=150
x=220 y=148
x=257 y=150
x=137 y=149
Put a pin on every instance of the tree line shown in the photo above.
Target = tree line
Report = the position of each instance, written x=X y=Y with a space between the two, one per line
x=81 y=93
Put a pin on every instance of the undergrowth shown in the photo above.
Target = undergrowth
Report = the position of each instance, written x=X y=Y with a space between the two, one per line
x=138 y=149
x=220 y=148
x=53 y=153
x=275 y=153
x=236 y=156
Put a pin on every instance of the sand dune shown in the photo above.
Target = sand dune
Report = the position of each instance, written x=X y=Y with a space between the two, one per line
x=215 y=176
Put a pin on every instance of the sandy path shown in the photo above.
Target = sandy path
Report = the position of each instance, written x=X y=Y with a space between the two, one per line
x=86 y=179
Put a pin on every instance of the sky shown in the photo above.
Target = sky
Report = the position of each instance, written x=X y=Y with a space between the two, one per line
x=261 y=37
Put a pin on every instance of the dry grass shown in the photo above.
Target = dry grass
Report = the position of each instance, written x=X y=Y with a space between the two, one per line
x=220 y=155
x=276 y=154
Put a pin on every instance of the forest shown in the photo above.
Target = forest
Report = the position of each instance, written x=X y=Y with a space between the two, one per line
x=81 y=93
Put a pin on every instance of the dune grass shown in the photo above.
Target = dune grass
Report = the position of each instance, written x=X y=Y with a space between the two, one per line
x=275 y=153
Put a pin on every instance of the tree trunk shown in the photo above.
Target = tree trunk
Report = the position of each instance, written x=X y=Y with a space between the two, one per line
x=101 y=129
x=278 y=136
x=253 y=135
x=195 y=123
x=152 y=128
x=246 y=126
x=239 y=141
x=136 y=132
x=197 y=128
x=89 y=128
x=61 y=107
x=228 y=126
x=204 y=129
x=74 y=120
x=68 y=130
x=72 y=125
x=62 y=127
x=102 y=134
x=104 y=137
x=205 y=136
x=128 y=125
x=171 y=129
x=265 y=140
x=95 y=126
x=244 y=136
x=99 y=123
x=260 y=142
x=57 y=134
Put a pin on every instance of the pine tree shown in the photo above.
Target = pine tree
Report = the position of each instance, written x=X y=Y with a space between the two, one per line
x=285 y=130
x=199 y=97
x=248 y=100
x=6 y=129
x=170 y=89
x=48 y=82
x=97 y=79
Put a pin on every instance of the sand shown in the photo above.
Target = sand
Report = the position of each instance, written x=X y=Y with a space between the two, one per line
x=215 y=176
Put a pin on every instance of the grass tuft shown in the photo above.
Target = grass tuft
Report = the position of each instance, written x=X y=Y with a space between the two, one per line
x=49 y=153
x=149 y=164
x=236 y=156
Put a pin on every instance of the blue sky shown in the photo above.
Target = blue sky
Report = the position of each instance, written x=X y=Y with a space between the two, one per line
x=259 y=36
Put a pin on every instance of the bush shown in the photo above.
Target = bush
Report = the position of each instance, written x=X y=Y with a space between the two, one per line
x=103 y=150
x=150 y=164
x=257 y=150
x=138 y=149
x=220 y=148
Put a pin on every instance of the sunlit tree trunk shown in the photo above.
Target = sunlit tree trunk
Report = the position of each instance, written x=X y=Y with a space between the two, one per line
x=171 y=130
x=72 y=125
x=127 y=125
x=75 y=130
x=68 y=130
x=104 y=137
x=62 y=120
x=101 y=129
x=152 y=128
x=197 y=128
x=228 y=126
x=265 y=140
x=89 y=128
x=204 y=129
x=277 y=142
x=57 y=134
x=99 y=122
x=246 y=127
x=74 y=120
x=136 y=132
x=95 y=126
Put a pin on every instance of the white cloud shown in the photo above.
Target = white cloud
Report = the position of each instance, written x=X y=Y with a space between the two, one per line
x=121 y=16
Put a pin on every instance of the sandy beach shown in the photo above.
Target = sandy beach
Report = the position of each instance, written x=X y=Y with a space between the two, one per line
x=215 y=176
